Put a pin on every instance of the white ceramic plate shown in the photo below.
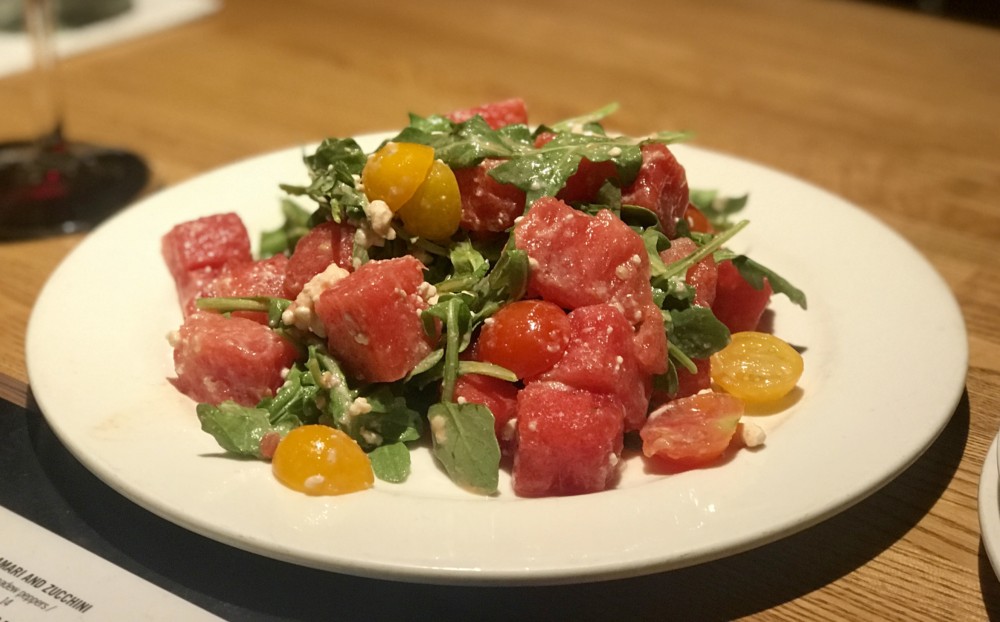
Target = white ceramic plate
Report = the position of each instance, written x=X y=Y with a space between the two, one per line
x=989 y=507
x=871 y=403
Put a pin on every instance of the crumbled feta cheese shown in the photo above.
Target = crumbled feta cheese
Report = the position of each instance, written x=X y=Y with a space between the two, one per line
x=461 y=400
x=361 y=338
x=173 y=338
x=613 y=459
x=328 y=381
x=533 y=263
x=624 y=270
x=509 y=429
x=428 y=292
x=359 y=406
x=380 y=216
x=331 y=454
x=372 y=438
x=614 y=152
x=301 y=313
x=439 y=427
x=313 y=482
x=752 y=434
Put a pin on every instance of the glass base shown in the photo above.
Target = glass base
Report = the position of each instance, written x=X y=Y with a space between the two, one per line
x=65 y=187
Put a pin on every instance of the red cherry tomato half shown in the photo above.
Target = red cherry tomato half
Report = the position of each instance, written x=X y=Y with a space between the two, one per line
x=527 y=337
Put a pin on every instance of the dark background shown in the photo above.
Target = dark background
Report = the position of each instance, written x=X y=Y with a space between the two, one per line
x=979 y=11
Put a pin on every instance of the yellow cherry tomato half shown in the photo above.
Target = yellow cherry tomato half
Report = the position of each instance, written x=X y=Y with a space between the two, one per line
x=320 y=460
x=394 y=172
x=435 y=209
x=757 y=367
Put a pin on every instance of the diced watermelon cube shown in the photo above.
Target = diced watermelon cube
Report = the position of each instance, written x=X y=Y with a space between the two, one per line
x=372 y=319
x=737 y=303
x=496 y=114
x=703 y=276
x=579 y=260
x=660 y=186
x=326 y=243
x=196 y=250
x=265 y=277
x=569 y=441
x=218 y=358
x=601 y=359
x=487 y=204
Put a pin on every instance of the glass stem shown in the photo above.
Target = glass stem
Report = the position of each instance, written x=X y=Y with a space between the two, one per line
x=39 y=18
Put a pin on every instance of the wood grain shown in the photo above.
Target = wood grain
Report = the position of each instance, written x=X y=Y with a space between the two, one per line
x=893 y=110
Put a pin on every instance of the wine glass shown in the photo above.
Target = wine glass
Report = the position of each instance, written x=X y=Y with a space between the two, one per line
x=50 y=185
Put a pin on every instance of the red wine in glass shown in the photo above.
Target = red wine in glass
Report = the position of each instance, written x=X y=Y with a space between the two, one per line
x=50 y=185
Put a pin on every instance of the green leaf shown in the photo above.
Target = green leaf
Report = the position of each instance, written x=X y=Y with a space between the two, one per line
x=717 y=209
x=239 y=429
x=465 y=444
x=391 y=462
x=544 y=171
x=755 y=274
x=284 y=238
x=696 y=332
x=568 y=125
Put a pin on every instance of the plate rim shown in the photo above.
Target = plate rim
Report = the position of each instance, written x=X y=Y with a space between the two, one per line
x=479 y=575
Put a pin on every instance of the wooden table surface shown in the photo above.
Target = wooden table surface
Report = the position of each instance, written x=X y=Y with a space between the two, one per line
x=895 y=111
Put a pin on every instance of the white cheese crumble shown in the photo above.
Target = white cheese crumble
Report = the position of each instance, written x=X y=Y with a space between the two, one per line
x=359 y=406
x=380 y=216
x=428 y=292
x=752 y=434
x=301 y=313
x=372 y=438
x=439 y=427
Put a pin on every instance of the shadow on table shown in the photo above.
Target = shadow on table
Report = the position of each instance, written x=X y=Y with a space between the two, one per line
x=989 y=586
x=51 y=487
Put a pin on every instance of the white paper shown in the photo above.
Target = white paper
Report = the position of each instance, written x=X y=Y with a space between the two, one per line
x=145 y=17
x=46 y=577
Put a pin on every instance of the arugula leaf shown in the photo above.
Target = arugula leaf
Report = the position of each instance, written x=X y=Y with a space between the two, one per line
x=466 y=445
x=333 y=167
x=696 y=332
x=469 y=267
x=284 y=238
x=716 y=208
x=391 y=462
x=544 y=171
x=239 y=429
x=468 y=143
x=272 y=306
x=568 y=125
x=755 y=274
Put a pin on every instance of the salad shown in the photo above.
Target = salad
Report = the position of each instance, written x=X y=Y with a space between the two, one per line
x=537 y=299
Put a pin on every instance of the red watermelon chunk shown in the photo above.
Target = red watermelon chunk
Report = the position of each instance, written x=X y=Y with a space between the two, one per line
x=196 y=250
x=372 y=319
x=601 y=359
x=660 y=186
x=487 y=204
x=326 y=243
x=265 y=277
x=579 y=260
x=496 y=114
x=737 y=304
x=702 y=276
x=569 y=441
x=218 y=358
x=498 y=395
